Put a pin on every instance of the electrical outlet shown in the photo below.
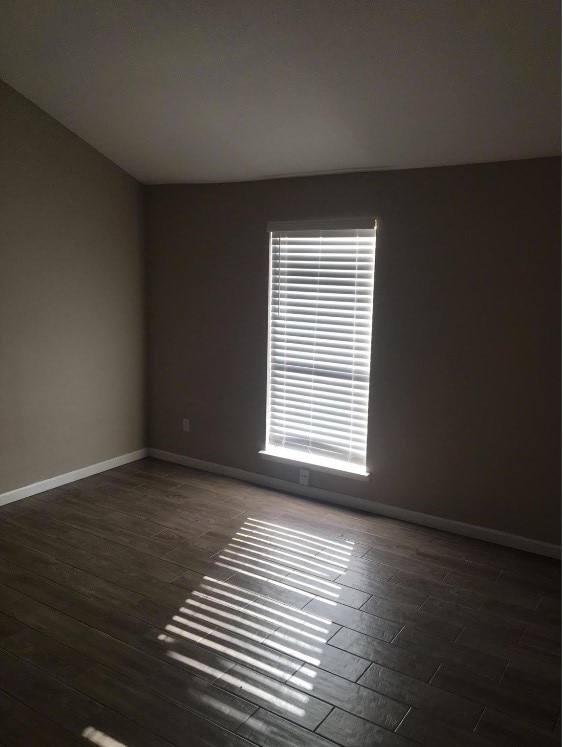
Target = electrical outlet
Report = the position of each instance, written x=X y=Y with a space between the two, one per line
x=186 y=425
x=303 y=476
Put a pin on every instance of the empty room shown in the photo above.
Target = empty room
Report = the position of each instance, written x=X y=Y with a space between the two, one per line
x=280 y=355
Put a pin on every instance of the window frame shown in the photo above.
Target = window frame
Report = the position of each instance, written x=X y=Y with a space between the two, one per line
x=295 y=457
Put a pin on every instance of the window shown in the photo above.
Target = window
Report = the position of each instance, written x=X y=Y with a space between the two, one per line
x=319 y=345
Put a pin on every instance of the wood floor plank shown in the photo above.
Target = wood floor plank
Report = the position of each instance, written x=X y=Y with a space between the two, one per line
x=286 y=701
x=486 y=664
x=46 y=654
x=386 y=590
x=378 y=708
x=71 y=710
x=155 y=603
x=451 y=708
x=81 y=519
x=132 y=631
x=508 y=730
x=463 y=565
x=479 y=619
x=8 y=626
x=431 y=587
x=111 y=582
x=430 y=731
x=395 y=562
x=526 y=705
x=90 y=584
x=415 y=616
x=20 y=725
x=348 y=730
x=363 y=622
x=267 y=730
x=486 y=642
x=419 y=665
x=537 y=682
x=155 y=713
x=161 y=569
x=164 y=674
x=523 y=595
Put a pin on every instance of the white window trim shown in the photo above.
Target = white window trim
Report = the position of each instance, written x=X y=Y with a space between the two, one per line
x=332 y=224
x=273 y=454
x=287 y=456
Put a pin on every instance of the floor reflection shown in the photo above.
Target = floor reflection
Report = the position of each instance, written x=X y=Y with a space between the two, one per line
x=262 y=638
x=101 y=738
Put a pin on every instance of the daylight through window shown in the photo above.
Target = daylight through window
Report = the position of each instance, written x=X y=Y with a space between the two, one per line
x=320 y=322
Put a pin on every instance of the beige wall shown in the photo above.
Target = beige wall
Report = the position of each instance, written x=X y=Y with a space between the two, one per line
x=71 y=300
x=464 y=416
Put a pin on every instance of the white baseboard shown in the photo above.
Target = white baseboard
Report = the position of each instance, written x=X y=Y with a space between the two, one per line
x=404 y=514
x=77 y=474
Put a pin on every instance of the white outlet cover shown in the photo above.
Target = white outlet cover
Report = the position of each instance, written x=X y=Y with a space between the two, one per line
x=186 y=425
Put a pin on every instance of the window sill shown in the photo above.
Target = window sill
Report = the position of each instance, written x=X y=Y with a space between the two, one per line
x=318 y=464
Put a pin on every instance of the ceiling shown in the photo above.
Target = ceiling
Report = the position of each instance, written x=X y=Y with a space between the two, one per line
x=228 y=90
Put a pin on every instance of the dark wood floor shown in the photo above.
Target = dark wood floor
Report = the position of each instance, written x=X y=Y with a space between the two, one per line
x=157 y=605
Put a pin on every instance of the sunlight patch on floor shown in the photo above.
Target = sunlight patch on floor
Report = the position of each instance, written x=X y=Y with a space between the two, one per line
x=267 y=640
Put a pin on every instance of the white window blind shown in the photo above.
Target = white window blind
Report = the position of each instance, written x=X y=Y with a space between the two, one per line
x=320 y=321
